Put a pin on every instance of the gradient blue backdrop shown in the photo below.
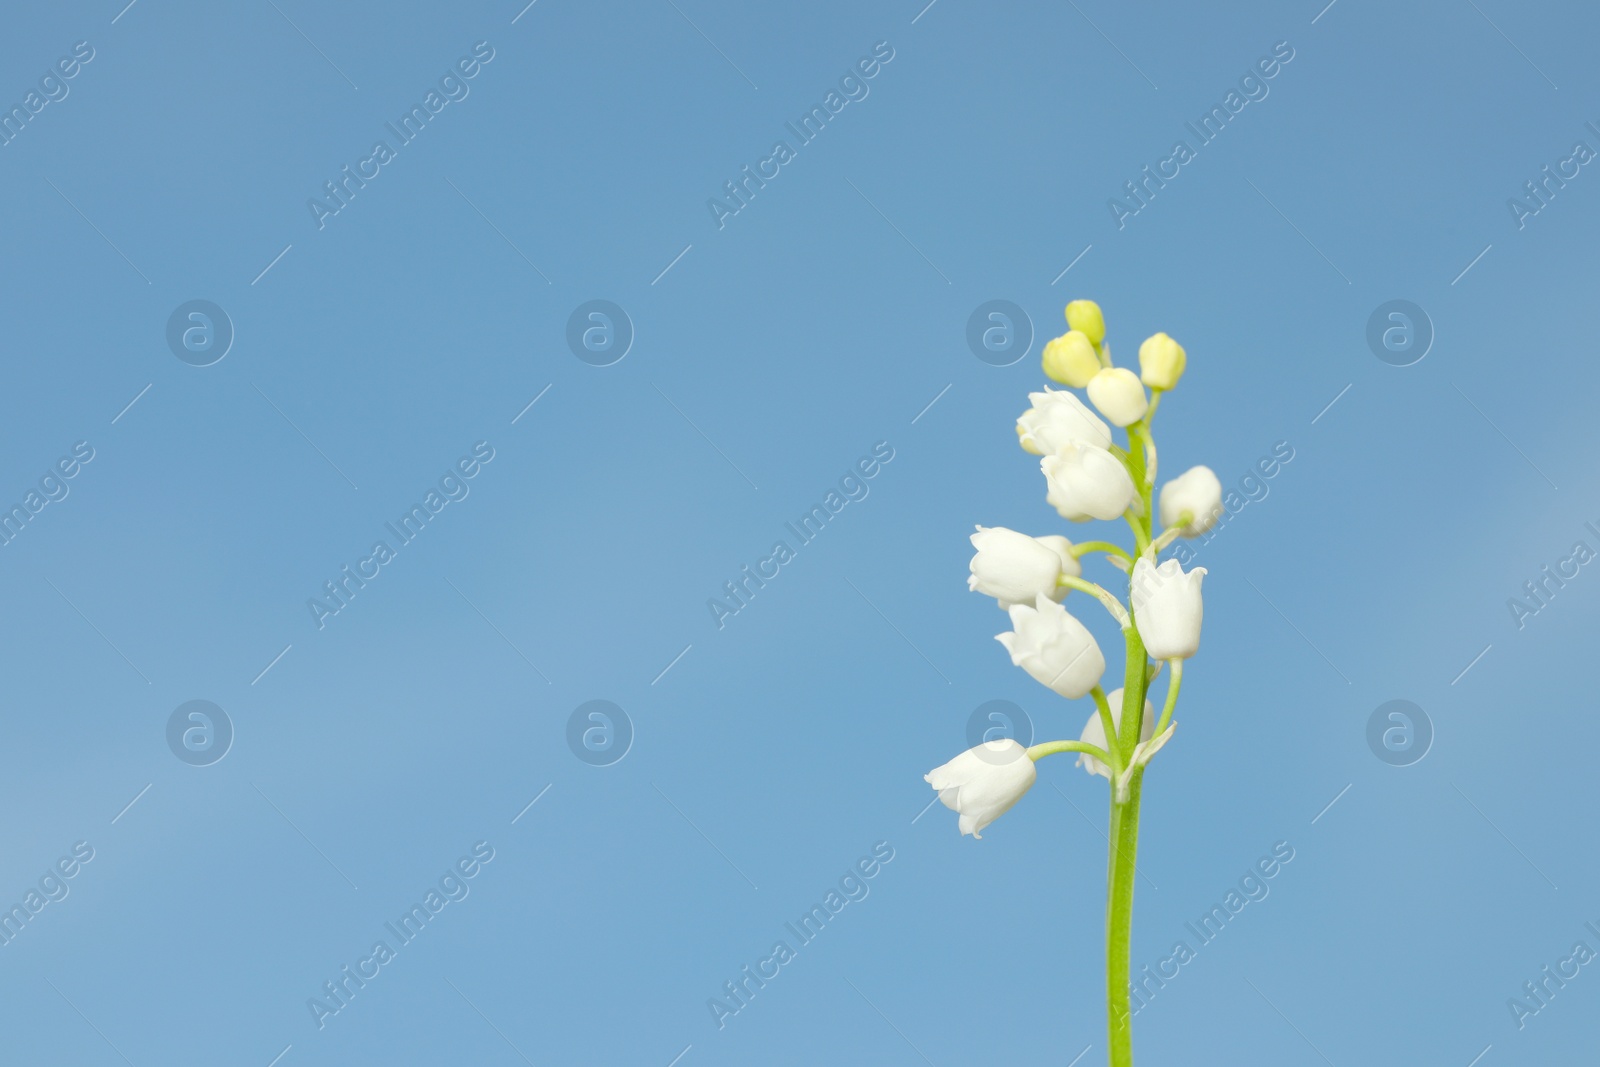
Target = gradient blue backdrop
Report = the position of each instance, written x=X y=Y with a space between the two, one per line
x=775 y=352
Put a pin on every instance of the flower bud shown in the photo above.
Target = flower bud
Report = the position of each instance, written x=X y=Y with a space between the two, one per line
x=1161 y=362
x=1196 y=491
x=982 y=783
x=1119 y=396
x=1083 y=482
x=1070 y=359
x=1085 y=317
x=1055 y=648
x=1167 y=608
x=1015 y=568
x=1056 y=418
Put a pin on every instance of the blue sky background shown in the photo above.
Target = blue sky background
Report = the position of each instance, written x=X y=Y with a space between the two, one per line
x=769 y=356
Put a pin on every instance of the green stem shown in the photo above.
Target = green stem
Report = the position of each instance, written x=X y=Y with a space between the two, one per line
x=1112 y=604
x=1172 y=694
x=1083 y=548
x=1108 y=726
x=1141 y=540
x=1119 y=922
x=1051 y=748
x=1173 y=532
x=1124 y=832
x=1136 y=454
x=1135 y=684
x=1142 y=462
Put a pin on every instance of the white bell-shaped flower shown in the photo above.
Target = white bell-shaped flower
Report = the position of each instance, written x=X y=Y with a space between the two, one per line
x=1196 y=491
x=1055 y=648
x=1056 y=418
x=1167 y=608
x=1094 y=732
x=1015 y=568
x=1084 y=482
x=983 y=783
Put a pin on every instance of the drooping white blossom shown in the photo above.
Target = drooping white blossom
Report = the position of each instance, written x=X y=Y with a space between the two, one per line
x=1058 y=418
x=982 y=783
x=1055 y=648
x=1197 y=491
x=1084 y=482
x=1015 y=568
x=1167 y=608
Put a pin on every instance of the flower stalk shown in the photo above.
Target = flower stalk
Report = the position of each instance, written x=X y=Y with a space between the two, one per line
x=1119 y=922
x=1123 y=835
x=1090 y=476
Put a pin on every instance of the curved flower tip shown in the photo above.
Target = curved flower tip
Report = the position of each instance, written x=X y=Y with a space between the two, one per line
x=1015 y=568
x=982 y=783
x=1055 y=648
x=1056 y=418
x=1167 y=608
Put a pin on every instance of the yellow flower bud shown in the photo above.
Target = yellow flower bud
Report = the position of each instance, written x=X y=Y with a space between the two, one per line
x=1084 y=316
x=1070 y=359
x=1161 y=362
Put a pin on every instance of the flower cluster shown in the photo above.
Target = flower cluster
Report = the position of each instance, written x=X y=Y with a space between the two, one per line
x=1089 y=476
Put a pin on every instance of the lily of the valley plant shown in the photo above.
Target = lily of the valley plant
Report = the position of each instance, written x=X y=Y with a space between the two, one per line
x=1089 y=476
